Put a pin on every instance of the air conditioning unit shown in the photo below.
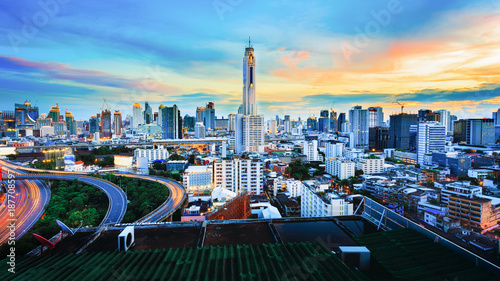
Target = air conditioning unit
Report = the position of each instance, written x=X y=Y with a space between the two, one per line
x=126 y=239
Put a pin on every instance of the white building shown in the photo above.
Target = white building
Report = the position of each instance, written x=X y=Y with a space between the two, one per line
x=371 y=166
x=341 y=168
x=152 y=154
x=199 y=130
x=431 y=136
x=445 y=120
x=334 y=150
x=239 y=174
x=479 y=173
x=314 y=204
x=294 y=187
x=138 y=117
x=311 y=150
x=197 y=178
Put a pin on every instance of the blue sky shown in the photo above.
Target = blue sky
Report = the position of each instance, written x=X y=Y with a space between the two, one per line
x=310 y=55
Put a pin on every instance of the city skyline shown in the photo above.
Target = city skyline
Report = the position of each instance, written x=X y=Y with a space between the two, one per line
x=429 y=56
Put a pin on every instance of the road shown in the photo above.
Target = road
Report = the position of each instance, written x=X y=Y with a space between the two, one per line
x=117 y=198
x=30 y=198
x=176 y=199
x=177 y=196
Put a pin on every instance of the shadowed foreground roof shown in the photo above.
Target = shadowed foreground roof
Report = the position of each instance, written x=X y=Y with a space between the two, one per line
x=299 y=261
x=409 y=255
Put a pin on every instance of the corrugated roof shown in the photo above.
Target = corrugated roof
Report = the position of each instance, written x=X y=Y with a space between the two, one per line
x=312 y=261
x=409 y=255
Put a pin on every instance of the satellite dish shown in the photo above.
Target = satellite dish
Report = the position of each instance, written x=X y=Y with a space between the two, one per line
x=65 y=228
x=44 y=241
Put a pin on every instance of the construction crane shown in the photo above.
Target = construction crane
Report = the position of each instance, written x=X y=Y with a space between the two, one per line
x=401 y=104
x=104 y=104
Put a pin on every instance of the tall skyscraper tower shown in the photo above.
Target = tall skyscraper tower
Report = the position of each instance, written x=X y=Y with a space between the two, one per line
x=249 y=126
x=70 y=122
x=249 y=103
x=106 y=124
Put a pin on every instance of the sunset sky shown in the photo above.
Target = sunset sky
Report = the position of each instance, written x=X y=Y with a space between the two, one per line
x=310 y=55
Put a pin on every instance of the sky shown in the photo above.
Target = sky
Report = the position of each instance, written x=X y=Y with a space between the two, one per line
x=310 y=55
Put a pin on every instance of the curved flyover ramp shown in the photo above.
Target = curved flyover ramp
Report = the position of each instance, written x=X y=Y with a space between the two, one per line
x=117 y=198
x=176 y=199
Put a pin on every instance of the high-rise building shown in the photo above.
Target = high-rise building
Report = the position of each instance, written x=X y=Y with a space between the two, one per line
x=25 y=115
x=249 y=125
x=70 y=122
x=474 y=131
x=158 y=121
x=428 y=115
x=148 y=113
x=333 y=121
x=431 y=136
x=117 y=122
x=232 y=122
x=340 y=121
x=172 y=126
x=189 y=123
x=210 y=116
x=138 y=117
x=399 y=130
x=54 y=113
x=323 y=121
x=93 y=124
x=249 y=95
x=106 y=124
x=199 y=130
x=358 y=118
x=376 y=117
x=445 y=119
x=239 y=174
x=312 y=124
x=378 y=138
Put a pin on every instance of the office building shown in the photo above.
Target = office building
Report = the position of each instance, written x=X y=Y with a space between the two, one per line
x=189 y=122
x=70 y=122
x=148 y=113
x=232 y=122
x=138 y=117
x=311 y=150
x=117 y=122
x=445 y=120
x=340 y=122
x=93 y=124
x=479 y=212
x=378 y=138
x=54 y=113
x=431 y=136
x=371 y=165
x=425 y=115
x=399 y=130
x=25 y=115
x=459 y=189
x=106 y=124
x=474 y=131
x=171 y=123
x=160 y=118
x=359 y=123
x=199 y=130
x=333 y=121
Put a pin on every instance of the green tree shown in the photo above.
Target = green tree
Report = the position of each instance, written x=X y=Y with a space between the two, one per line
x=176 y=156
x=358 y=173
